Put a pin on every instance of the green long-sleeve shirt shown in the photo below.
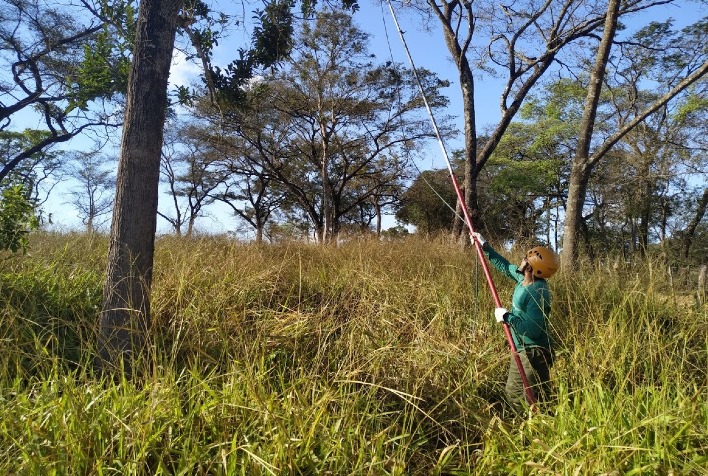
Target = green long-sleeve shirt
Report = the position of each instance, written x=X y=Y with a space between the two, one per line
x=530 y=305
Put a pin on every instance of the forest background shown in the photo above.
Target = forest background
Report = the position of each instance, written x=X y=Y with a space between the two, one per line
x=525 y=184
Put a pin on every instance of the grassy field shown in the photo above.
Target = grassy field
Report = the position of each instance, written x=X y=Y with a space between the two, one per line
x=370 y=359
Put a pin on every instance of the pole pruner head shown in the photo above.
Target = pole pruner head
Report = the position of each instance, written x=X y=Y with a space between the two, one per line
x=543 y=261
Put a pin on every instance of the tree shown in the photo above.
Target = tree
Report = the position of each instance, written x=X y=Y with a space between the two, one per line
x=250 y=191
x=17 y=218
x=383 y=183
x=690 y=232
x=39 y=172
x=516 y=44
x=233 y=175
x=426 y=203
x=58 y=64
x=332 y=128
x=687 y=67
x=522 y=182
x=169 y=175
x=91 y=196
x=193 y=171
x=125 y=312
x=527 y=175
x=636 y=193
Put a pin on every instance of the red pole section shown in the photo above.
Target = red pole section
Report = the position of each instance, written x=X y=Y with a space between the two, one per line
x=468 y=220
x=497 y=302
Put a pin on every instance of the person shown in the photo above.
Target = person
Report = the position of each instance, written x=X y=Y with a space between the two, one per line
x=527 y=319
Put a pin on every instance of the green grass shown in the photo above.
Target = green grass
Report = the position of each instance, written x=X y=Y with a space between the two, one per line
x=370 y=358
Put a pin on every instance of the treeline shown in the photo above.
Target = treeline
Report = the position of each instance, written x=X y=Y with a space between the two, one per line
x=325 y=144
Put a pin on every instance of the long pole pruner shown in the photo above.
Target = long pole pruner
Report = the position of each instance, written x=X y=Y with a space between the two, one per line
x=468 y=220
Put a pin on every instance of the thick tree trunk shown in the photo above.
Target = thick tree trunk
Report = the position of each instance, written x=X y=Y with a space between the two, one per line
x=471 y=172
x=125 y=315
x=577 y=191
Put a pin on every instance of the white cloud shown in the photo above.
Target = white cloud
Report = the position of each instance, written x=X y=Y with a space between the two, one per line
x=183 y=72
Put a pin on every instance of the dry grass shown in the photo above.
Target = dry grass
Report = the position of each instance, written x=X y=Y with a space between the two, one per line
x=368 y=358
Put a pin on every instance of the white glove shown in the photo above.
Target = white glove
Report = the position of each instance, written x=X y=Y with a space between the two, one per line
x=477 y=236
x=499 y=314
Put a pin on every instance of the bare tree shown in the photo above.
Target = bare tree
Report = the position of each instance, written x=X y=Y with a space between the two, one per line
x=93 y=196
x=193 y=170
x=169 y=176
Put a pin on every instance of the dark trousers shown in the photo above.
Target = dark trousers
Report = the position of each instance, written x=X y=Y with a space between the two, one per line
x=537 y=363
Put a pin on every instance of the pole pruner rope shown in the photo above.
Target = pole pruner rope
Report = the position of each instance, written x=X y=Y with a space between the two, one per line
x=468 y=220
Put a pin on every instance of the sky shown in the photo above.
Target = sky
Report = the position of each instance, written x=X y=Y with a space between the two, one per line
x=427 y=50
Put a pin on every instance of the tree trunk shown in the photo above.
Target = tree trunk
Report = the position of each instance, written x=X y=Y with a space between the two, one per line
x=645 y=203
x=458 y=46
x=580 y=173
x=471 y=172
x=379 y=216
x=691 y=229
x=572 y=223
x=327 y=194
x=327 y=221
x=125 y=315
x=577 y=190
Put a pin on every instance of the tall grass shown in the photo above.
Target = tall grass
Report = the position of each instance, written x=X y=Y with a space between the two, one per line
x=369 y=358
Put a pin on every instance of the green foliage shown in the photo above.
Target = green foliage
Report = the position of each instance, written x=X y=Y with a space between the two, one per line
x=13 y=143
x=271 y=43
x=272 y=35
x=17 y=219
x=693 y=109
x=103 y=70
x=561 y=101
x=426 y=203
x=122 y=14
x=524 y=179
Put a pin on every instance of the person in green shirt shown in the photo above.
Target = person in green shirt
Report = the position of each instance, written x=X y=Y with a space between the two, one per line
x=527 y=319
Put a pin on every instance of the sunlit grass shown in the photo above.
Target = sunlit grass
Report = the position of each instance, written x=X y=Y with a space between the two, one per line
x=367 y=358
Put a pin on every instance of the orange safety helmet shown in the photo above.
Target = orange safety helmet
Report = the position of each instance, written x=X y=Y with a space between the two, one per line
x=543 y=261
